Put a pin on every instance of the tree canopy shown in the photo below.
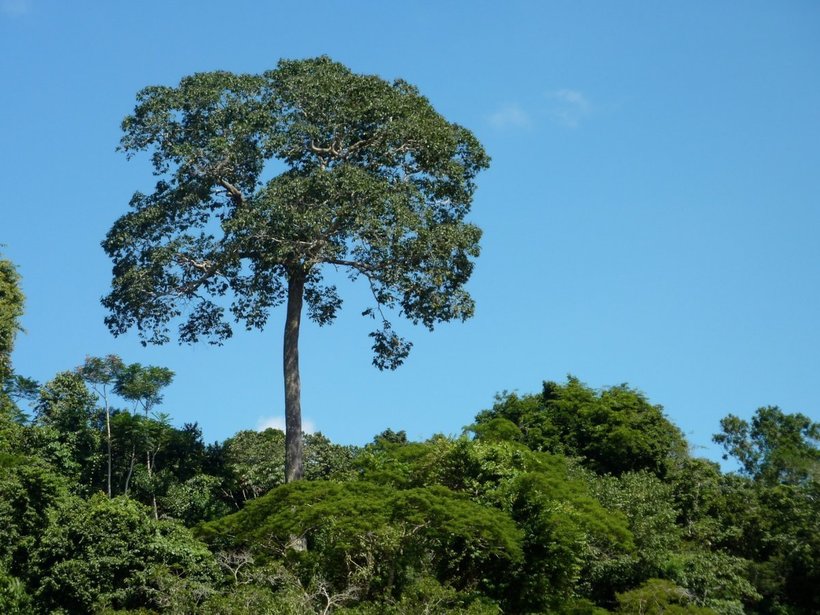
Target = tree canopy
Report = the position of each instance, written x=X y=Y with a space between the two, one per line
x=615 y=430
x=775 y=446
x=267 y=183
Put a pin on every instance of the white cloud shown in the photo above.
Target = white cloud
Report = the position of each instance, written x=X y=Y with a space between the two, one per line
x=14 y=7
x=278 y=422
x=569 y=107
x=510 y=116
x=573 y=97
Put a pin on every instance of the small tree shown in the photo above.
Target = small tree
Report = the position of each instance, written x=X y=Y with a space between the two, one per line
x=142 y=386
x=373 y=181
x=69 y=425
x=775 y=447
x=101 y=374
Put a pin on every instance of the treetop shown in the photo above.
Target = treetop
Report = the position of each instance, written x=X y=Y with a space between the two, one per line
x=279 y=176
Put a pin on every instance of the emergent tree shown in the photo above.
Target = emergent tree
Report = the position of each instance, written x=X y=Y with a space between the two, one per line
x=371 y=180
x=11 y=310
x=102 y=374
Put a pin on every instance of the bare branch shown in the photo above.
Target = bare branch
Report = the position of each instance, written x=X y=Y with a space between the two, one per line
x=207 y=267
x=363 y=268
x=233 y=191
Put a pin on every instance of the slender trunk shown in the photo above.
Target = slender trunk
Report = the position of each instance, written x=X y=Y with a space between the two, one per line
x=151 y=461
x=149 y=466
x=293 y=386
x=108 y=432
x=130 y=468
x=108 y=436
x=103 y=392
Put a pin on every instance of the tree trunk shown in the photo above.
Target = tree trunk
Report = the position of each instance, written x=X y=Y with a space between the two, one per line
x=293 y=385
x=148 y=465
x=151 y=461
x=108 y=433
x=130 y=468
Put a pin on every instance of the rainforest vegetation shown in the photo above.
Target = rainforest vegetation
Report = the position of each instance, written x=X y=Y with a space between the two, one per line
x=566 y=500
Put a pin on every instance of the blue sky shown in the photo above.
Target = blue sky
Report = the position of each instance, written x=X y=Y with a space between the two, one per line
x=651 y=215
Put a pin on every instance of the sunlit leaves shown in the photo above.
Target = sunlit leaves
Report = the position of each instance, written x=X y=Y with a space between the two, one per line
x=266 y=177
x=775 y=447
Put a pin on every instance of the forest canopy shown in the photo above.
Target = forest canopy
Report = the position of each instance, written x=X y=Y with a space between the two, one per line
x=569 y=500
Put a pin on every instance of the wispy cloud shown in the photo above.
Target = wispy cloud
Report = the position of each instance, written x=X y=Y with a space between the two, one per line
x=510 y=116
x=14 y=7
x=278 y=422
x=569 y=107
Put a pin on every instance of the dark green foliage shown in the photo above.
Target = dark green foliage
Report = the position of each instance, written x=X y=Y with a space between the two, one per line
x=327 y=461
x=29 y=488
x=252 y=463
x=777 y=527
x=697 y=489
x=68 y=430
x=713 y=579
x=776 y=447
x=571 y=502
x=106 y=552
x=14 y=600
x=647 y=504
x=567 y=535
x=709 y=578
x=566 y=531
x=373 y=537
x=12 y=422
x=426 y=595
x=615 y=430
x=13 y=387
x=775 y=514
x=183 y=453
x=11 y=310
x=376 y=181
x=194 y=500
x=394 y=437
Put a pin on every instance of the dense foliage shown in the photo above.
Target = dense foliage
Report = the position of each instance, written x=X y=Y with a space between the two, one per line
x=568 y=501
x=503 y=519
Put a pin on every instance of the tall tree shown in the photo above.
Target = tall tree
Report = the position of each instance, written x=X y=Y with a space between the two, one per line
x=102 y=374
x=373 y=182
x=142 y=386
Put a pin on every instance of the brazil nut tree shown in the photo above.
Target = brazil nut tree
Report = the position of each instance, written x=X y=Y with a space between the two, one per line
x=267 y=183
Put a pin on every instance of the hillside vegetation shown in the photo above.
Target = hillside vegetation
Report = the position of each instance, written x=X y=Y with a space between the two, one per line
x=567 y=500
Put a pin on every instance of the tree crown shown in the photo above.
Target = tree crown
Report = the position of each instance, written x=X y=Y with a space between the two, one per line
x=273 y=177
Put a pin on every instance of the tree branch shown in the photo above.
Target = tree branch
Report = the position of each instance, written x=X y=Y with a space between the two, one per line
x=357 y=265
x=207 y=267
x=233 y=191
